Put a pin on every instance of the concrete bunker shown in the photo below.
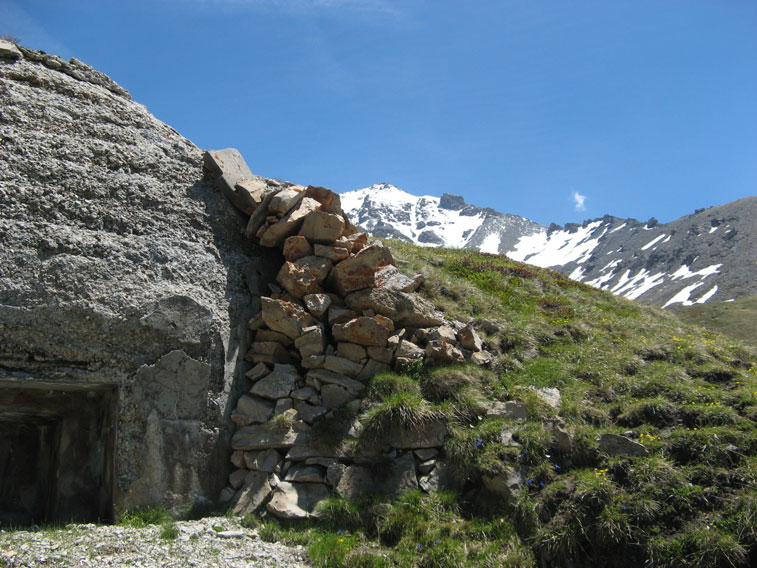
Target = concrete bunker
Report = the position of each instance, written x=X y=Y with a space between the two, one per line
x=57 y=444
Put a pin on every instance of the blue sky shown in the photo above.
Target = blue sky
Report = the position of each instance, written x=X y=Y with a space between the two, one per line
x=556 y=110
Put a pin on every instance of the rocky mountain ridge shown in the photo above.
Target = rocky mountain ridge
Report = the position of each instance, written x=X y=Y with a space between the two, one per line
x=705 y=256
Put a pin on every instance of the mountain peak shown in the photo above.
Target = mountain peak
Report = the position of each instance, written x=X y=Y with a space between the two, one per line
x=452 y=202
x=660 y=264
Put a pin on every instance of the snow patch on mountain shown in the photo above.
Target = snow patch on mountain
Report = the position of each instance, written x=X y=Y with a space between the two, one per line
x=659 y=264
x=560 y=247
x=490 y=244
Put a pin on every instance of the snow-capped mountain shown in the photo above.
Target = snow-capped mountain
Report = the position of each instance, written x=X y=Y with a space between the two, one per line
x=387 y=211
x=710 y=254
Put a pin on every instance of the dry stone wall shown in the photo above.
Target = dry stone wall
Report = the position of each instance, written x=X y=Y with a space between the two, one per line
x=340 y=312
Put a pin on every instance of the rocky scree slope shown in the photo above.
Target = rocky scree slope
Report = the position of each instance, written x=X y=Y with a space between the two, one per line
x=700 y=257
x=120 y=265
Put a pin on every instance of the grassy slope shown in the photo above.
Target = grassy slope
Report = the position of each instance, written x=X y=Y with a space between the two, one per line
x=737 y=319
x=688 y=395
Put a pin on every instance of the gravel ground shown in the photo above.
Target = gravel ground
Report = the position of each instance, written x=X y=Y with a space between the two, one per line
x=212 y=542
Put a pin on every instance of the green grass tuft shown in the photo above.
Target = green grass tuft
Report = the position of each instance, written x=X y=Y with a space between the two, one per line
x=144 y=517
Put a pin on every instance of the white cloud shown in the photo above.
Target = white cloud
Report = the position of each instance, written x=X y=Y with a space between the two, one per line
x=579 y=199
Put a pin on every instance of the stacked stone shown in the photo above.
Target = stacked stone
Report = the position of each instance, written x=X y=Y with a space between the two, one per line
x=341 y=313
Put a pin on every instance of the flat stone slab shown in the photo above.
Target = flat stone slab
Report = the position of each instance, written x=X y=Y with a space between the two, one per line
x=8 y=50
x=229 y=167
x=329 y=377
x=278 y=384
x=252 y=410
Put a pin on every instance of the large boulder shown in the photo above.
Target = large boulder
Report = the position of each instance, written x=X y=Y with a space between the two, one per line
x=116 y=250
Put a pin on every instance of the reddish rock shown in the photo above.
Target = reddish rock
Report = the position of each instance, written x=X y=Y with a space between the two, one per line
x=296 y=247
x=274 y=234
x=359 y=271
x=285 y=199
x=304 y=276
x=363 y=331
x=286 y=317
x=441 y=352
x=322 y=227
x=329 y=200
x=353 y=243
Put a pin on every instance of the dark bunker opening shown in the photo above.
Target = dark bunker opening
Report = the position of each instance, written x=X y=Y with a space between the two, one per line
x=57 y=444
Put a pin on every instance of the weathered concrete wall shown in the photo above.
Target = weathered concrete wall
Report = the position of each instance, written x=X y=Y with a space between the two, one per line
x=121 y=264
